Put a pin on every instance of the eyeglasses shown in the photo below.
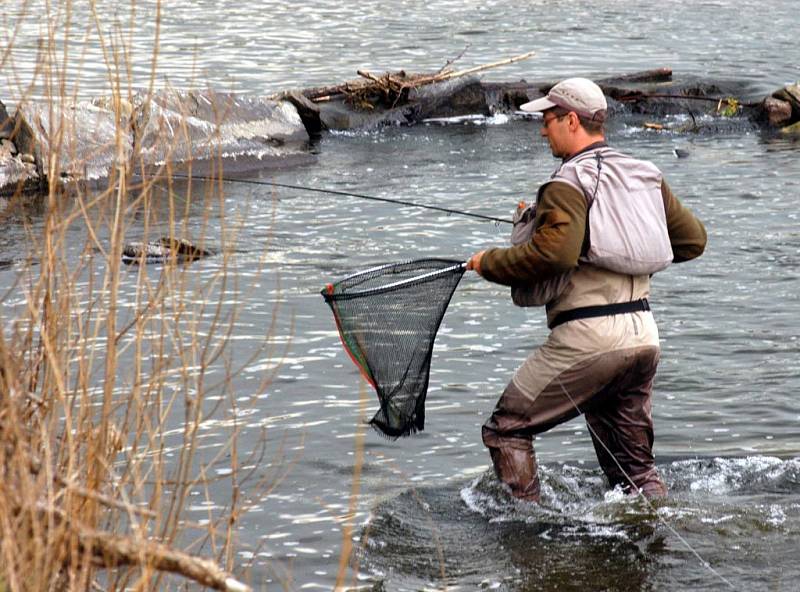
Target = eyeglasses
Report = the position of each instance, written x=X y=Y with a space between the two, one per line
x=546 y=121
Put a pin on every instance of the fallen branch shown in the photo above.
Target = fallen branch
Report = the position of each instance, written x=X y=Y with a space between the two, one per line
x=109 y=550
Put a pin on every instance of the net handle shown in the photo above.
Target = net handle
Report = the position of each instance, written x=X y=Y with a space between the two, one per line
x=397 y=284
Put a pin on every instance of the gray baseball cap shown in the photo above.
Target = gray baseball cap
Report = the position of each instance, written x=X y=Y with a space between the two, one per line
x=580 y=95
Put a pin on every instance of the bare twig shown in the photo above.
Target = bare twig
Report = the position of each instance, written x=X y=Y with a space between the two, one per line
x=497 y=64
x=446 y=68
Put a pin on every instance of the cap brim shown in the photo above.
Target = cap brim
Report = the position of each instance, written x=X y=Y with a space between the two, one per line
x=542 y=104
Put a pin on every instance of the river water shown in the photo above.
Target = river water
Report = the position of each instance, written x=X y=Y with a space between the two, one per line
x=429 y=514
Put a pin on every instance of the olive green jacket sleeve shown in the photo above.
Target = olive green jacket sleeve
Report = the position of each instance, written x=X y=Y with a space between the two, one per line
x=560 y=225
x=558 y=239
x=687 y=235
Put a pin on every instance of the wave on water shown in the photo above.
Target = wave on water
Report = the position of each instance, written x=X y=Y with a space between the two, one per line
x=741 y=515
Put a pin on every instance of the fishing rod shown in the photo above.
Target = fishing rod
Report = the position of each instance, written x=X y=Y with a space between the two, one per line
x=345 y=194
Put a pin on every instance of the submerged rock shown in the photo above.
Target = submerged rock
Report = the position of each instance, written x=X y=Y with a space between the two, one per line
x=163 y=250
x=792 y=130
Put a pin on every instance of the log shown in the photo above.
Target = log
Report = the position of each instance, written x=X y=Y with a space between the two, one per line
x=656 y=75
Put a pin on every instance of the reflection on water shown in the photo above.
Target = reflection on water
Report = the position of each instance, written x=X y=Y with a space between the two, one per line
x=271 y=46
x=729 y=372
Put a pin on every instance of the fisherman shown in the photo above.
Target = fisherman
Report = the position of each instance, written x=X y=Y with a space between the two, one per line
x=600 y=227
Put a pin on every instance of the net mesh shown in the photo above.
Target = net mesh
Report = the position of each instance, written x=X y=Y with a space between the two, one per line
x=387 y=318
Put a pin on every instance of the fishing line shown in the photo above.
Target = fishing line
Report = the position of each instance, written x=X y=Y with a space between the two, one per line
x=705 y=563
x=496 y=220
x=346 y=194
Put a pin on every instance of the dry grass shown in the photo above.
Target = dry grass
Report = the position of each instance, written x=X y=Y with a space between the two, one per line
x=108 y=372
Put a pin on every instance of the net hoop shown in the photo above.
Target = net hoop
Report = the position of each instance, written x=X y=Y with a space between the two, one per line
x=329 y=295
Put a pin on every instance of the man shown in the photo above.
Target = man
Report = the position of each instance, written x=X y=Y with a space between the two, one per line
x=603 y=224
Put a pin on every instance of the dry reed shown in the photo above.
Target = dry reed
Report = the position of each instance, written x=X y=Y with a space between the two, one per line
x=107 y=372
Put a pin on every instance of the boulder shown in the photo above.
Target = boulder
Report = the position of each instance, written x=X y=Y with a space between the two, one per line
x=507 y=97
x=338 y=115
x=177 y=126
x=17 y=170
x=16 y=174
x=84 y=139
x=790 y=94
x=6 y=123
x=776 y=111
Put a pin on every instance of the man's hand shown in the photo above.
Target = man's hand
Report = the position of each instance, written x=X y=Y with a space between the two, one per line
x=474 y=262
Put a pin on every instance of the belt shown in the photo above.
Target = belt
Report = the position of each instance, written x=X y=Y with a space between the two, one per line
x=603 y=310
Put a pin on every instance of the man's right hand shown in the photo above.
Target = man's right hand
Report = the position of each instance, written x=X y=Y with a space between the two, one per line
x=474 y=262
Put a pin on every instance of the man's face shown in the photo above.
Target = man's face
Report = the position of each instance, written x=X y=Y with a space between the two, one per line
x=555 y=127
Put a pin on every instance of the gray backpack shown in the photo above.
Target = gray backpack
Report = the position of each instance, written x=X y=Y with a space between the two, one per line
x=626 y=218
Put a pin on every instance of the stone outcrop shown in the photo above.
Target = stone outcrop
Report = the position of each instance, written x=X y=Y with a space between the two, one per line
x=89 y=139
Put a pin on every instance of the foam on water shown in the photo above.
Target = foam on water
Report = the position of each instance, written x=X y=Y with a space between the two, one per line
x=580 y=526
x=475 y=119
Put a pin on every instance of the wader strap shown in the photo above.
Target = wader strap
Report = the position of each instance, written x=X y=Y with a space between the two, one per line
x=603 y=310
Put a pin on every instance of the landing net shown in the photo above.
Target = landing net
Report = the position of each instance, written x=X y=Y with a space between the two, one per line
x=387 y=318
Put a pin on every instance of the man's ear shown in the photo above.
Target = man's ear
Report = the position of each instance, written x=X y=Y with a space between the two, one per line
x=574 y=122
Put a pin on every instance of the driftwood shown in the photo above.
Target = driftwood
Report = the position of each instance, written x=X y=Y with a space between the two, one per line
x=391 y=88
